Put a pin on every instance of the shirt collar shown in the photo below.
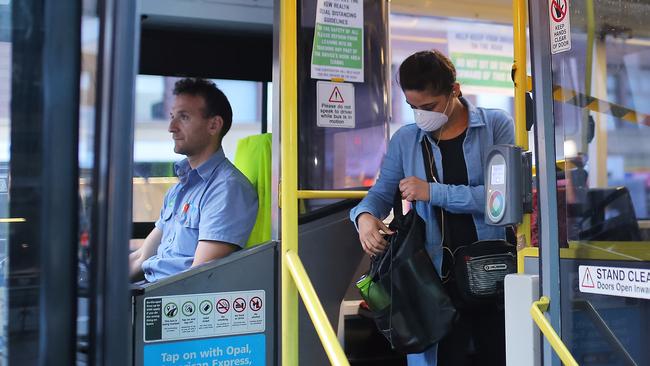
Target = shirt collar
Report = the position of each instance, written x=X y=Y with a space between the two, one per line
x=204 y=170
x=473 y=115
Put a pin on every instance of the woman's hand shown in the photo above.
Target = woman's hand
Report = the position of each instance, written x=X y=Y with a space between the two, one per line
x=372 y=240
x=414 y=189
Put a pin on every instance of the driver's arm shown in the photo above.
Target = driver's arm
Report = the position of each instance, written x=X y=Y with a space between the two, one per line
x=208 y=250
x=148 y=248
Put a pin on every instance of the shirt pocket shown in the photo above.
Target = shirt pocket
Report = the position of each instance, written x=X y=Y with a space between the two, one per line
x=168 y=213
x=187 y=232
x=189 y=219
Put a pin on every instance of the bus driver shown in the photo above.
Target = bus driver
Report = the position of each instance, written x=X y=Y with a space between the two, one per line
x=211 y=211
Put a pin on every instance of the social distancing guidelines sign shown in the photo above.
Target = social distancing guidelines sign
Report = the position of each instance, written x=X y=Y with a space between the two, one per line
x=338 y=41
x=615 y=281
x=335 y=104
x=560 y=25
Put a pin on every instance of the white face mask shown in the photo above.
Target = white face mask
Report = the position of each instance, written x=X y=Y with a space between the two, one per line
x=430 y=120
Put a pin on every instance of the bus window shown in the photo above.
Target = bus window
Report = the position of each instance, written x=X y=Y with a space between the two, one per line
x=482 y=54
x=5 y=93
x=608 y=169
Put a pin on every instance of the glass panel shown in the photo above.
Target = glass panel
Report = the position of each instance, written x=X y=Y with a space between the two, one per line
x=87 y=103
x=154 y=149
x=332 y=158
x=5 y=135
x=601 y=112
x=602 y=131
x=482 y=54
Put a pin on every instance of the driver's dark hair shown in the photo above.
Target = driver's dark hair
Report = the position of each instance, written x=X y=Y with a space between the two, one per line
x=427 y=71
x=216 y=102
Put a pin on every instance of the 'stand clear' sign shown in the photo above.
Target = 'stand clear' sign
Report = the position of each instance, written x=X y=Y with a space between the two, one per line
x=615 y=281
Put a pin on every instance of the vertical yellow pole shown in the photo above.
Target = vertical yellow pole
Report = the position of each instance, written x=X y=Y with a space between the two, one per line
x=289 y=176
x=519 y=29
x=521 y=135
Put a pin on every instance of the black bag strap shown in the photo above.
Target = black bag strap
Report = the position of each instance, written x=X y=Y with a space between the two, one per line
x=398 y=209
x=432 y=175
x=431 y=172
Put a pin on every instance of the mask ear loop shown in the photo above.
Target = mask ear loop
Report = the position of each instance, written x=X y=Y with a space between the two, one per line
x=453 y=94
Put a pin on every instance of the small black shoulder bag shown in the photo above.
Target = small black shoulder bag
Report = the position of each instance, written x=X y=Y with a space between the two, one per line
x=479 y=268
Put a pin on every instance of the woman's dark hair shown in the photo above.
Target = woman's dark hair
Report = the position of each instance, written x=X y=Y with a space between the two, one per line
x=427 y=71
x=216 y=102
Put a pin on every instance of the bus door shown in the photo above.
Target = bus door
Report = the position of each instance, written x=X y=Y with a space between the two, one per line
x=66 y=132
x=591 y=78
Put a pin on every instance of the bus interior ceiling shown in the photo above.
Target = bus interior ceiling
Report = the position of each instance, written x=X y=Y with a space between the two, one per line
x=227 y=40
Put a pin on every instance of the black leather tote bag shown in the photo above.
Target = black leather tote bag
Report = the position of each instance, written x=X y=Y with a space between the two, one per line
x=407 y=298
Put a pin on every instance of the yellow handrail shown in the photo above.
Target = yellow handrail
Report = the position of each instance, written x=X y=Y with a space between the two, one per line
x=537 y=310
x=293 y=273
x=315 y=310
x=519 y=33
x=331 y=194
x=289 y=175
x=521 y=86
x=12 y=220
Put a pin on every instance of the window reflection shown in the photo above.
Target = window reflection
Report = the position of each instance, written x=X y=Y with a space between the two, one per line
x=5 y=93
x=482 y=54
x=607 y=175
x=87 y=103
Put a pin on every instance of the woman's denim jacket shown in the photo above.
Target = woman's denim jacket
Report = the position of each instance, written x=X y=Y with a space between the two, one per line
x=487 y=127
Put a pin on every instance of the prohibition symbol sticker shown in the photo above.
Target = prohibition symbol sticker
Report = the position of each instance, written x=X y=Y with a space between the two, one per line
x=256 y=303
x=239 y=305
x=223 y=306
x=559 y=25
x=559 y=9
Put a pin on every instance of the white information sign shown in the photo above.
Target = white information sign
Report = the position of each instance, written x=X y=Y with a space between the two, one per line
x=338 y=41
x=615 y=281
x=203 y=315
x=335 y=104
x=560 y=25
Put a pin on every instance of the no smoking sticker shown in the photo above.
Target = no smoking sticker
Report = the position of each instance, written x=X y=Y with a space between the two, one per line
x=560 y=25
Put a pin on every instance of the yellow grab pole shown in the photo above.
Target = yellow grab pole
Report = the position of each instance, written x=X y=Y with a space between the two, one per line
x=519 y=29
x=521 y=85
x=289 y=175
x=331 y=194
x=315 y=309
x=556 y=342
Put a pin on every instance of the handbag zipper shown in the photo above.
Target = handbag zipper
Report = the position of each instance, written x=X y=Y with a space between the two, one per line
x=467 y=257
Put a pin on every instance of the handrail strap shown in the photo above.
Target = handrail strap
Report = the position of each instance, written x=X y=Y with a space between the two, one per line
x=537 y=310
x=315 y=309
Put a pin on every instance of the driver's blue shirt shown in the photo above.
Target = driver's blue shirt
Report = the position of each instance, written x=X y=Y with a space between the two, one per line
x=214 y=202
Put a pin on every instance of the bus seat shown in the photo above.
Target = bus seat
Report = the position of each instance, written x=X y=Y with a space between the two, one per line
x=609 y=216
x=253 y=158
